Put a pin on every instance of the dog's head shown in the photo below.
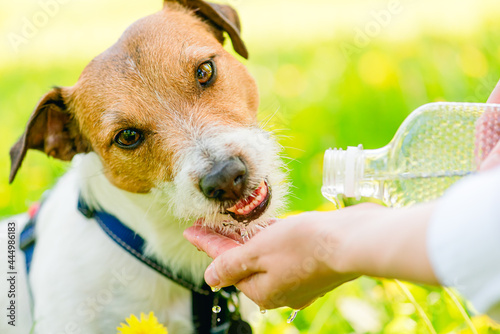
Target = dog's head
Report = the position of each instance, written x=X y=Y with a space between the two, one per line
x=167 y=109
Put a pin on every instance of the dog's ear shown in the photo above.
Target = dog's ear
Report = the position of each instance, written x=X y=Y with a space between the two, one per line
x=222 y=18
x=50 y=129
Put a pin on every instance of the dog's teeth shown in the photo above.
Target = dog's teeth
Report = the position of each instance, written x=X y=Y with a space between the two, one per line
x=245 y=206
x=263 y=191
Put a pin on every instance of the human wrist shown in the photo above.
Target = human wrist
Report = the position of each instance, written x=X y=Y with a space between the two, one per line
x=358 y=254
x=391 y=243
x=338 y=235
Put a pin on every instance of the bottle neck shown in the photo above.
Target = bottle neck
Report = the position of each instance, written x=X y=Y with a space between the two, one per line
x=348 y=172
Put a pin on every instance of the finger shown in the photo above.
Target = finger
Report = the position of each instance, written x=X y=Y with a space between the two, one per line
x=488 y=135
x=495 y=94
x=209 y=241
x=493 y=159
x=269 y=294
x=257 y=288
x=232 y=266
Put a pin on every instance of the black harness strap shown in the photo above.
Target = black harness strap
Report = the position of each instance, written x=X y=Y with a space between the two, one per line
x=213 y=312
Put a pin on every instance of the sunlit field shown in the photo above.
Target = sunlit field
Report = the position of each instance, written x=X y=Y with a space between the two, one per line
x=331 y=74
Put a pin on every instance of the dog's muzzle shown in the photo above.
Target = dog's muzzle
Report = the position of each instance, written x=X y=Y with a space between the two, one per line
x=227 y=182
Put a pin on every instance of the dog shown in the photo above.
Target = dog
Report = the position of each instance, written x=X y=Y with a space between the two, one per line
x=162 y=132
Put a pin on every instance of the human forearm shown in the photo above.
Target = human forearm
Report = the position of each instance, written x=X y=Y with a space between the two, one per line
x=390 y=243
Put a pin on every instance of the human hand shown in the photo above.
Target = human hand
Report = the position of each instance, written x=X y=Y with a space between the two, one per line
x=298 y=259
x=492 y=160
x=290 y=263
x=490 y=123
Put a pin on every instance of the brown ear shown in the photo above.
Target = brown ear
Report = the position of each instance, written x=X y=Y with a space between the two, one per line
x=50 y=129
x=222 y=17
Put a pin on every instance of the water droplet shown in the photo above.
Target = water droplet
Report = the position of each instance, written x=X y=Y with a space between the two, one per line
x=292 y=316
x=244 y=234
x=333 y=197
x=215 y=289
x=216 y=309
x=244 y=267
x=218 y=319
x=263 y=311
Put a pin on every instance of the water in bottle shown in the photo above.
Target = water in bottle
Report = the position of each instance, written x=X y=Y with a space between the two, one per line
x=437 y=144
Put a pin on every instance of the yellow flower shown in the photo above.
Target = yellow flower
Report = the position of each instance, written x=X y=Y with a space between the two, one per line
x=149 y=325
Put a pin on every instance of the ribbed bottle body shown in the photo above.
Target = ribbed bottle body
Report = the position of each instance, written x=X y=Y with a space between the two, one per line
x=434 y=147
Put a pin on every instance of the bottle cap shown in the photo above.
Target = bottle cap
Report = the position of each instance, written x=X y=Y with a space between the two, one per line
x=342 y=171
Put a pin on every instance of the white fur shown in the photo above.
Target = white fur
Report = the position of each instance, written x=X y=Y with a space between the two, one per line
x=83 y=282
x=253 y=145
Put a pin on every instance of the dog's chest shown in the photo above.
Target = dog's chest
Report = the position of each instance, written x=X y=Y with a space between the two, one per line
x=82 y=279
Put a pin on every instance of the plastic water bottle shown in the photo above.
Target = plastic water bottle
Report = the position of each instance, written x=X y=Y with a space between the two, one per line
x=437 y=144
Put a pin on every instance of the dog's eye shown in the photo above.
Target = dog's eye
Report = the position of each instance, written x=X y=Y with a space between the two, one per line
x=205 y=72
x=128 y=138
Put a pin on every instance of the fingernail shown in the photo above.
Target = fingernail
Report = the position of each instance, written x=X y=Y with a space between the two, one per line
x=211 y=276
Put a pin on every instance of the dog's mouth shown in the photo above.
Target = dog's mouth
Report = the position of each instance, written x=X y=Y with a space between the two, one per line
x=253 y=206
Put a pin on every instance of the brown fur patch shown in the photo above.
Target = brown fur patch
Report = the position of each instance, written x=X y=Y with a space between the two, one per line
x=146 y=81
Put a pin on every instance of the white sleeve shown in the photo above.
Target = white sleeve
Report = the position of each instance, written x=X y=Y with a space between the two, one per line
x=463 y=240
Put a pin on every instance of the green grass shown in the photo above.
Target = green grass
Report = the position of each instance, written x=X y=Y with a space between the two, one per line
x=319 y=99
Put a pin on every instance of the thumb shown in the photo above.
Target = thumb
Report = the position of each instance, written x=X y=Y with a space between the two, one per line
x=495 y=94
x=488 y=134
x=493 y=159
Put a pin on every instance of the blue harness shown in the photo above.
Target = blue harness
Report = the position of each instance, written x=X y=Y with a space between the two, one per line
x=227 y=321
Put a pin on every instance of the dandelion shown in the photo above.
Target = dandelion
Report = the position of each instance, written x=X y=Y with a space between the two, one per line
x=146 y=325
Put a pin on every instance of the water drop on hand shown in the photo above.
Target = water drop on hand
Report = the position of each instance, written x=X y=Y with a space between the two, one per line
x=244 y=234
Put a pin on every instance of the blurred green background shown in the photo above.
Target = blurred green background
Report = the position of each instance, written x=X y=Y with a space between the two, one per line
x=331 y=74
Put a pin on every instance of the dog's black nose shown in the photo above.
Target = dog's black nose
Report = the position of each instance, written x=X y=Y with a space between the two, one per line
x=226 y=180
